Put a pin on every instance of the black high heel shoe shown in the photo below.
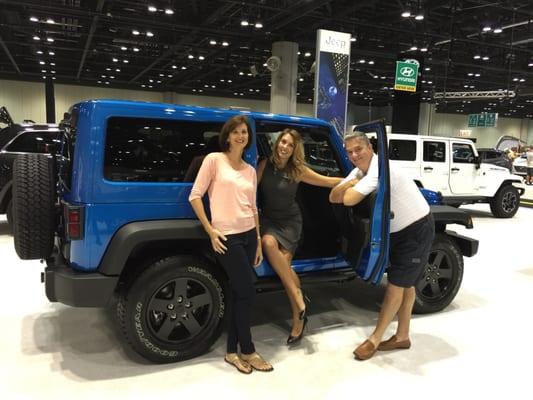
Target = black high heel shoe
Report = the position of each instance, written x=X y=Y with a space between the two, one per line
x=302 y=317
x=296 y=339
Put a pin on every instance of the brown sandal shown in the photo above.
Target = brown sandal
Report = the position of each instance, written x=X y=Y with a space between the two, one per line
x=257 y=362
x=241 y=365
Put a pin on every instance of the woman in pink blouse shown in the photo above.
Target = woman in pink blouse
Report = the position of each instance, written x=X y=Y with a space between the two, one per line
x=231 y=184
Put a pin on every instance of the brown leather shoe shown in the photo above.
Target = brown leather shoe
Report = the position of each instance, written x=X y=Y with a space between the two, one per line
x=365 y=350
x=392 y=344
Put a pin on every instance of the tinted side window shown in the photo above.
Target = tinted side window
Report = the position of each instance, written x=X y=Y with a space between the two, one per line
x=463 y=153
x=153 y=150
x=319 y=154
x=404 y=150
x=434 y=151
x=35 y=142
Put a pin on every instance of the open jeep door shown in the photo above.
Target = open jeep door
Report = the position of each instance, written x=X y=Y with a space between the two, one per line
x=368 y=251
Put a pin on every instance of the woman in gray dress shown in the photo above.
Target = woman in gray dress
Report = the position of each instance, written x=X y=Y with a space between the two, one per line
x=281 y=219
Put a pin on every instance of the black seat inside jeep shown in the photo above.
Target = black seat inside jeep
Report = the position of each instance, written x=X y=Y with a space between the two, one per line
x=320 y=231
x=355 y=225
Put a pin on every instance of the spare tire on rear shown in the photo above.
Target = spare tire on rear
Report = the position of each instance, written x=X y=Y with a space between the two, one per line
x=33 y=206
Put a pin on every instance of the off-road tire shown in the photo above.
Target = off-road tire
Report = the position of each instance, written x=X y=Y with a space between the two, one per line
x=33 y=199
x=173 y=310
x=441 y=278
x=506 y=202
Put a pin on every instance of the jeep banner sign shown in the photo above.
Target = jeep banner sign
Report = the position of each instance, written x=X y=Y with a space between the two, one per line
x=406 y=75
x=331 y=77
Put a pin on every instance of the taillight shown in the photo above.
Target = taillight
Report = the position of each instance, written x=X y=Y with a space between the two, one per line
x=74 y=222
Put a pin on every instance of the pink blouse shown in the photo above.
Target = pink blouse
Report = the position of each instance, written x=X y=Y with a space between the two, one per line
x=232 y=193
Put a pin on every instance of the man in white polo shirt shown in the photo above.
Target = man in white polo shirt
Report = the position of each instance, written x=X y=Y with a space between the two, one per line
x=412 y=232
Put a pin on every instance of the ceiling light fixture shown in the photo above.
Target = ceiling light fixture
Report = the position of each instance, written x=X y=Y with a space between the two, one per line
x=477 y=57
x=152 y=9
x=135 y=32
x=353 y=39
x=485 y=58
x=169 y=11
x=424 y=49
x=50 y=21
x=135 y=49
x=51 y=53
x=212 y=42
x=123 y=48
x=190 y=56
x=36 y=38
x=174 y=67
x=34 y=19
x=149 y=34
x=307 y=54
x=225 y=44
x=413 y=48
x=487 y=28
x=258 y=25
x=51 y=40
x=419 y=16
x=406 y=14
x=39 y=52
x=244 y=23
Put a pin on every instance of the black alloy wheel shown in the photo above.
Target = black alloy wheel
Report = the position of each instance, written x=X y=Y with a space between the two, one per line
x=441 y=278
x=506 y=202
x=179 y=310
x=173 y=309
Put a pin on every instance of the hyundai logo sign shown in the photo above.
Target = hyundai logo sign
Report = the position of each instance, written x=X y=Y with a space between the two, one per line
x=407 y=72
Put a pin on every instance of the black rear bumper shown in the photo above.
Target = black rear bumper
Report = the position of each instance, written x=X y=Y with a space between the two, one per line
x=77 y=289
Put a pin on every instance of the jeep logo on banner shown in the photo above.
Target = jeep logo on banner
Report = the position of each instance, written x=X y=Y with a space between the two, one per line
x=406 y=75
x=331 y=77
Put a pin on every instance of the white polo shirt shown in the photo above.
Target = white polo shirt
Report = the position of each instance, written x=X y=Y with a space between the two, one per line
x=406 y=201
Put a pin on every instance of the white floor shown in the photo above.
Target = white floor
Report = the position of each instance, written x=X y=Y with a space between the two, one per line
x=478 y=347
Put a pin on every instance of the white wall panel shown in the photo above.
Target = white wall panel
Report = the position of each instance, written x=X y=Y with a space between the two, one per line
x=450 y=124
x=24 y=100
x=67 y=95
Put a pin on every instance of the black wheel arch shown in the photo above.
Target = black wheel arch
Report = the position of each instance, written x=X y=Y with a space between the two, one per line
x=140 y=242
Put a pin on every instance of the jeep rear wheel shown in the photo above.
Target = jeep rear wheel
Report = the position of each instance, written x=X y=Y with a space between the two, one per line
x=506 y=202
x=173 y=310
x=442 y=277
x=33 y=199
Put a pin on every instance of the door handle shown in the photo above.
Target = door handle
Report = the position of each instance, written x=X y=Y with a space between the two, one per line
x=455 y=169
x=428 y=168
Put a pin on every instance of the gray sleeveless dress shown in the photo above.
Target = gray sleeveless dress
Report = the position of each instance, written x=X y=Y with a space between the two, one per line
x=281 y=216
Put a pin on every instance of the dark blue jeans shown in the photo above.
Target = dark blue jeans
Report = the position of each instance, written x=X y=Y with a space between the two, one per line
x=238 y=263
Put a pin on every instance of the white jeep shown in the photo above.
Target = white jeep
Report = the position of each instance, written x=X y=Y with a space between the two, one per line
x=452 y=167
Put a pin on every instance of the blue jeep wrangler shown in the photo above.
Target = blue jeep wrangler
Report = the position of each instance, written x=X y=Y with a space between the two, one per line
x=111 y=218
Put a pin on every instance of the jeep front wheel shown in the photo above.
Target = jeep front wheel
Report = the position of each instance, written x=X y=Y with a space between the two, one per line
x=506 y=202
x=173 y=310
x=441 y=278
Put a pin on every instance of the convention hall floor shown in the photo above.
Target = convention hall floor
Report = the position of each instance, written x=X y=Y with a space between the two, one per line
x=479 y=347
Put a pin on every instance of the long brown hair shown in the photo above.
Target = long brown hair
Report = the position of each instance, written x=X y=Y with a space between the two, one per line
x=296 y=162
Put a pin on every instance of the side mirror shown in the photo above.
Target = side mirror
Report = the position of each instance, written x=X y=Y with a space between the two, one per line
x=477 y=161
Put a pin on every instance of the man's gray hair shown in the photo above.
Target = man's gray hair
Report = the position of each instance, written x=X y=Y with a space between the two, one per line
x=356 y=135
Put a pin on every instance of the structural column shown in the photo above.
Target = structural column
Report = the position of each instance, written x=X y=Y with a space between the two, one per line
x=50 y=101
x=285 y=79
